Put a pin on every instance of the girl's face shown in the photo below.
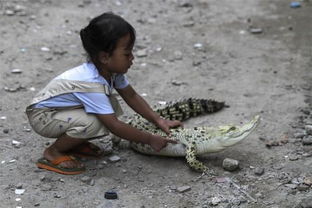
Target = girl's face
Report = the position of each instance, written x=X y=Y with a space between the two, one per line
x=121 y=59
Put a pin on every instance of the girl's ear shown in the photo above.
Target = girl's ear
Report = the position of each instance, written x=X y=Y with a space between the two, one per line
x=103 y=57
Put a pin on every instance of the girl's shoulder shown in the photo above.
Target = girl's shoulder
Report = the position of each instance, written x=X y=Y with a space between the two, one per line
x=85 y=72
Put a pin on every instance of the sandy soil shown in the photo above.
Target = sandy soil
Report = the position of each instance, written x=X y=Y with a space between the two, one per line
x=198 y=49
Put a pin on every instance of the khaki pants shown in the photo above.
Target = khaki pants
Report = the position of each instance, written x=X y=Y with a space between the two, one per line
x=76 y=123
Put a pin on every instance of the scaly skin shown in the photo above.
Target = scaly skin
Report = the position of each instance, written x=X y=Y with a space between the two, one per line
x=193 y=141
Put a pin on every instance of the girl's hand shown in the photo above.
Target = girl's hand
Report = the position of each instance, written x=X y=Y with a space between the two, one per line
x=158 y=142
x=165 y=125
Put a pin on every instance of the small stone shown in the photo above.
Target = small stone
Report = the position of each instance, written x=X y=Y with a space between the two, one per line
x=177 y=83
x=295 y=4
x=255 y=30
x=6 y=131
x=19 y=186
x=57 y=196
x=196 y=63
x=16 y=144
x=293 y=157
x=114 y=158
x=303 y=187
x=230 y=164
x=19 y=191
x=297 y=181
x=9 y=12
x=215 y=201
x=16 y=71
x=307 y=140
x=178 y=55
x=162 y=102
x=198 y=45
x=19 y=8
x=110 y=195
x=141 y=53
x=308 y=129
x=45 y=49
x=86 y=179
x=183 y=189
x=36 y=204
x=306 y=203
x=42 y=177
x=221 y=179
x=46 y=187
x=300 y=134
x=92 y=182
x=292 y=186
x=259 y=171
x=308 y=181
x=173 y=188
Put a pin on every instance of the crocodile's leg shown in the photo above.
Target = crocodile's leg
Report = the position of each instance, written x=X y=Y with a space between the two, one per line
x=192 y=161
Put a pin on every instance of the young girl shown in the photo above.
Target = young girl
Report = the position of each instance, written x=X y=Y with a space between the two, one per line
x=78 y=105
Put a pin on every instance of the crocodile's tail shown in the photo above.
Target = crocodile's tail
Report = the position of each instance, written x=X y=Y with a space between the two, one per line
x=188 y=108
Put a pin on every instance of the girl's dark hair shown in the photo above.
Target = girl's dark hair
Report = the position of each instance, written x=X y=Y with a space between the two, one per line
x=103 y=33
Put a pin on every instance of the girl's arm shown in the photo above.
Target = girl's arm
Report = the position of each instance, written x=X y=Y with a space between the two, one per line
x=139 y=105
x=130 y=133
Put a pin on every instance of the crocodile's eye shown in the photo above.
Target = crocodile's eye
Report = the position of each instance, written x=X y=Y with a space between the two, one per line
x=232 y=128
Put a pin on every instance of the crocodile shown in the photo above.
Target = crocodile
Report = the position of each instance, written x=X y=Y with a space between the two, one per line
x=192 y=141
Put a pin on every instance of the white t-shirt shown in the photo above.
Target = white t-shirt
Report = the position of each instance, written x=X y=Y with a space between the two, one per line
x=93 y=102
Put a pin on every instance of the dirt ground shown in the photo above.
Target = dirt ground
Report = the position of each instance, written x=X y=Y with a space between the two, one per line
x=254 y=55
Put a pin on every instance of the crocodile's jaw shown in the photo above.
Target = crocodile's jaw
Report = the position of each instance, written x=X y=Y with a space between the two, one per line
x=228 y=136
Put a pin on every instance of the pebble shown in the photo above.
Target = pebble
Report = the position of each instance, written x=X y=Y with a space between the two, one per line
x=45 y=49
x=19 y=191
x=308 y=181
x=293 y=157
x=110 y=195
x=178 y=55
x=16 y=144
x=215 y=201
x=198 y=45
x=295 y=4
x=259 y=171
x=177 y=83
x=6 y=131
x=308 y=129
x=86 y=179
x=230 y=164
x=306 y=203
x=16 y=71
x=9 y=12
x=46 y=187
x=57 y=195
x=196 y=62
x=183 y=189
x=114 y=158
x=292 y=186
x=300 y=134
x=255 y=30
x=221 y=179
x=19 y=186
x=303 y=187
x=141 y=53
x=307 y=140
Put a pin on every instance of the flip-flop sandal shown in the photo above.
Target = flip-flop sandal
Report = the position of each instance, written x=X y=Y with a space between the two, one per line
x=55 y=167
x=87 y=150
